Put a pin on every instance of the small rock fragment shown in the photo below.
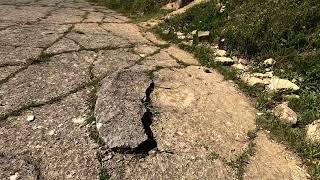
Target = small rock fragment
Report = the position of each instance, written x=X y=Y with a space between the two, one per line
x=240 y=67
x=14 y=177
x=254 y=81
x=291 y=96
x=188 y=43
x=269 y=62
x=79 y=120
x=265 y=75
x=282 y=84
x=220 y=53
x=243 y=61
x=194 y=32
x=222 y=9
x=224 y=60
x=313 y=132
x=166 y=32
x=285 y=114
x=259 y=114
x=189 y=36
x=181 y=35
x=51 y=133
x=30 y=117
x=203 y=34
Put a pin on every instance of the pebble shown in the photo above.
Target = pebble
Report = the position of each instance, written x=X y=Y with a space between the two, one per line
x=30 y=117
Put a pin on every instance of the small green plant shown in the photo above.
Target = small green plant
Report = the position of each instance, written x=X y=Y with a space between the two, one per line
x=103 y=175
x=44 y=57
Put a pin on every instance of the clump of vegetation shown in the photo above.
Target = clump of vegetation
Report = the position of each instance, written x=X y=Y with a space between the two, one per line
x=289 y=32
x=136 y=8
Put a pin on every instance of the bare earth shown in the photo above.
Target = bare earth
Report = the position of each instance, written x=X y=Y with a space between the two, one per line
x=86 y=94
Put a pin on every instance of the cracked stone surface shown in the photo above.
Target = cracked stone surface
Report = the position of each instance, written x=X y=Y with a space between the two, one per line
x=74 y=74
x=41 y=82
x=38 y=36
x=5 y=72
x=128 y=31
x=110 y=61
x=63 y=45
x=59 y=148
x=17 y=55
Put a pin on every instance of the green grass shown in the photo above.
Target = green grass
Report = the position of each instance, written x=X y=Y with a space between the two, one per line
x=139 y=10
x=289 y=32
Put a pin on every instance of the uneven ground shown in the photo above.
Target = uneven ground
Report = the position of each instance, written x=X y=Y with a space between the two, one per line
x=85 y=94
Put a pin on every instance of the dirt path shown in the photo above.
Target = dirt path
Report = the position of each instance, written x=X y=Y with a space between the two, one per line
x=85 y=94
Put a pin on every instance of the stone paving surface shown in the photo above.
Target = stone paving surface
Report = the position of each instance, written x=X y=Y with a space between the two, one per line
x=86 y=94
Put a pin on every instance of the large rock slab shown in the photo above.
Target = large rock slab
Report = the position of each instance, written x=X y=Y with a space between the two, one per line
x=168 y=166
x=65 y=15
x=10 y=55
x=161 y=59
x=23 y=13
x=38 y=35
x=127 y=31
x=110 y=61
x=120 y=109
x=45 y=81
x=273 y=161
x=63 y=45
x=15 y=167
x=6 y=72
x=200 y=113
x=95 y=41
x=52 y=144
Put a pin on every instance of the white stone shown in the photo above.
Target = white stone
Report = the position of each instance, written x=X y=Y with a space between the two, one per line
x=202 y=34
x=194 y=32
x=79 y=120
x=188 y=43
x=182 y=37
x=30 y=117
x=224 y=60
x=240 y=67
x=51 y=133
x=222 y=9
x=269 y=62
x=166 y=32
x=282 y=84
x=313 y=132
x=285 y=114
x=263 y=75
x=243 y=61
x=220 y=53
x=99 y=125
x=14 y=177
x=252 y=80
x=180 y=34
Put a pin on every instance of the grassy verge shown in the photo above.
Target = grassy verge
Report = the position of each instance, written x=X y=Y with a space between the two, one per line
x=289 y=32
x=138 y=10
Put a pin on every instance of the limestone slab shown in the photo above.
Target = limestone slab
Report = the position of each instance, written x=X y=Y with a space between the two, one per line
x=119 y=109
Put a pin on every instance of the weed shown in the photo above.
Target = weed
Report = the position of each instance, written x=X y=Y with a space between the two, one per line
x=44 y=57
x=103 y=175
